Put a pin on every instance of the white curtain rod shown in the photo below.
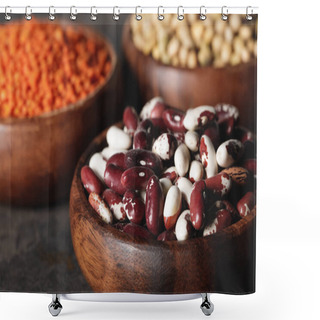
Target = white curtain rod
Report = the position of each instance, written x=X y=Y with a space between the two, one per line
x=29 y=10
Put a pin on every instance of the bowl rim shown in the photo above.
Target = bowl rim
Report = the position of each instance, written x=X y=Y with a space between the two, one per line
x=109 y=229
x=128 y=45
x=89 y=31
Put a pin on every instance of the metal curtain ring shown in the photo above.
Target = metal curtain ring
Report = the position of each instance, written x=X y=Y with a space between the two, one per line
x=160 y=16
x=138 y=16
x=224 y=13
x=180 y=13
x=249 y=15
x=52 y=11
x=116 y=15
x=73 y=13
x=93 y=13
x=203 y=12
x=7 y=11
x=28 y=13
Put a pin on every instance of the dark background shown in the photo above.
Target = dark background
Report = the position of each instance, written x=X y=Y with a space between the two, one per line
x=36 y=252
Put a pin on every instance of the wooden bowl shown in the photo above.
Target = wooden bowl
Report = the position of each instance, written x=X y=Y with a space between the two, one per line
x=113 y=261
x=39 y=155
x=185 y=88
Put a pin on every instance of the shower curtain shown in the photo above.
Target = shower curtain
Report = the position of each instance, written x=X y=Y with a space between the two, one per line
x=128 y=153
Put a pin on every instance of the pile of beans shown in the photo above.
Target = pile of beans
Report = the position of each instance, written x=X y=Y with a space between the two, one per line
x=174 y=175
x=45 y=67
x=192 y=42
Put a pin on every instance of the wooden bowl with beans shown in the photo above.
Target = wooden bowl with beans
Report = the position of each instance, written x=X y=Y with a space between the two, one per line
x=51 y=114
x=167 y=214
x=222 y=67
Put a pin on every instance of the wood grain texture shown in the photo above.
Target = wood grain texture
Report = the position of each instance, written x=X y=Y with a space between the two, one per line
x=113 y=261
x=39 y=155
x=185 y=88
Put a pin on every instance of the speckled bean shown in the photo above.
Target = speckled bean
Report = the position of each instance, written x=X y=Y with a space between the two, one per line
x=165 y=146
x=184 y=229
x=90 y=181
x=115 y=204
x=172 y=207
x=198 y=117
x=100 y=207
x=208 y=156
x=182 y=160
x=133 y=206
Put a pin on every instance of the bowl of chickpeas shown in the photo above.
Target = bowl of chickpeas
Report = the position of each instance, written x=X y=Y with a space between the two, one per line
x=53 y=88
x=195 y=62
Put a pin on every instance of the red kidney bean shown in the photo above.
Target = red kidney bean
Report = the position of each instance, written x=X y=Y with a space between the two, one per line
x=130 y=119
x=199 y=117
x=137 y=231
x=144 y=158
x=100 y=207
x=90 y=181
x=250 y=165
x=172 y=207
x=158 y=110
x=133 y=206
x=108 y=152
x=246 y=204
x=115 y=204
x=147 y=126
x=184 y=229
x=118 y=159
x=224 y=204
x=149 y=106
x=171 y=173
x=136 y=178
x=154 y=206
x=208 y=156
x=112 y=178
x=165 y=146
x=144 y=141
x=173 y=118
x=141 y=140
x=167 y=235
x=222 y=220
x=197 y=204
x=220 y=184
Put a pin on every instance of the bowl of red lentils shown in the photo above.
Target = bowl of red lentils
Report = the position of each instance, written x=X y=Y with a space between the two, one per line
x=54 y=85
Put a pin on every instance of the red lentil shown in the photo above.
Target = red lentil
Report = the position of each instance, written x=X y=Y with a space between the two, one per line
x=45 y=67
